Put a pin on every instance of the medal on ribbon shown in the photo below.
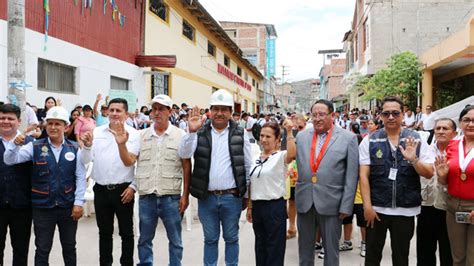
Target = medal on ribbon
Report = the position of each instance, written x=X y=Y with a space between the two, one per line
x=315 y=163
x=464 y=161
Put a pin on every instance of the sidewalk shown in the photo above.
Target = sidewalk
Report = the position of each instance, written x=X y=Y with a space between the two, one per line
x=88 y=247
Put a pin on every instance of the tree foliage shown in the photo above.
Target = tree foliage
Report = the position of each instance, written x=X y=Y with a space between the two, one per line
x=400 y=78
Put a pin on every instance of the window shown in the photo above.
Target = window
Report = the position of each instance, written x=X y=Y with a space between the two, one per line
x=118 y=83
x=160 y=84
x=226 y=61
x=239 y=71
x=257 y=85
x=188 y=30
x=232 y=33
x=246 y=106
x=55 y=77
x=246 y=76
x=253 y=82
x=160 y=9
x=211 y=48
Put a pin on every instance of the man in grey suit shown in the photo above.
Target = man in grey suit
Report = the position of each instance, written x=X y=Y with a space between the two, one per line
x=327 y=159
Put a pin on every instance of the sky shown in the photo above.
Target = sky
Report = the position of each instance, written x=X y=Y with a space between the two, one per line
x=303 y=27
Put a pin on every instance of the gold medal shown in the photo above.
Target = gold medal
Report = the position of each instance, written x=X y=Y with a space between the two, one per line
x=314 y=179
x=463 y=176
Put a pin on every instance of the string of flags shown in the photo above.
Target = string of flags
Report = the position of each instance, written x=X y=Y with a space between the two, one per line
x=86 y=4
x=46 y=23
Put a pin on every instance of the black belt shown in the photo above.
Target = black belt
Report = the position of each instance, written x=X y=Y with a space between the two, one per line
x=225 y=191
x=112 y=187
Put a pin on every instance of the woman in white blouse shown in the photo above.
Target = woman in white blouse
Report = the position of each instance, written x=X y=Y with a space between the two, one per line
x=267 y=210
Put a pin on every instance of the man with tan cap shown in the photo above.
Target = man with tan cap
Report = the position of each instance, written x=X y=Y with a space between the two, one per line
x=222 y=159
x=159 y=177
x=58 y=184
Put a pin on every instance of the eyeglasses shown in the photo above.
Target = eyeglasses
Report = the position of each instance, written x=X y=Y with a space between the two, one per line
x=395 y=114
x=319 y=115
x=466 y=121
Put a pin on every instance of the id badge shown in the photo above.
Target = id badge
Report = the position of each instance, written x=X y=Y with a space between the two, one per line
x=393 y=174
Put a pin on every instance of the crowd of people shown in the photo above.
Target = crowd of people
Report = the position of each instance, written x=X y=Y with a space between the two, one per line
x=315 y=172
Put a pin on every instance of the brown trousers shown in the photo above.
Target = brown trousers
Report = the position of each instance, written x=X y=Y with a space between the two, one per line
x=461 y=236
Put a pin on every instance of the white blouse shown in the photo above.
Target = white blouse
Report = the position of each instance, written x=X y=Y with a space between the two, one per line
x=268 y=177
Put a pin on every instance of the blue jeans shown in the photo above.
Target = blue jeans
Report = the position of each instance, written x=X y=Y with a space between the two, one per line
x=151 y=208
x=214 y=211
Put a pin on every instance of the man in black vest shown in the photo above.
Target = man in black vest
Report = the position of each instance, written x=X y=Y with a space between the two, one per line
x=15 y=189
x=391 y=162
x=222 y=158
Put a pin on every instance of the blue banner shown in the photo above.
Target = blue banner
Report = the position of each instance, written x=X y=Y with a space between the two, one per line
x=271 y=62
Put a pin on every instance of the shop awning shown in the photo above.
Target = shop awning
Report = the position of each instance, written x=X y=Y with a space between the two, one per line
x=156 y=61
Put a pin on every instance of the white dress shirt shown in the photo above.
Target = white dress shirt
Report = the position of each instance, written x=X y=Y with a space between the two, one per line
x=108 y=168
x=221 y=176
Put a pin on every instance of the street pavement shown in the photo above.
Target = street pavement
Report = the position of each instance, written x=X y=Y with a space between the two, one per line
x=88 y=247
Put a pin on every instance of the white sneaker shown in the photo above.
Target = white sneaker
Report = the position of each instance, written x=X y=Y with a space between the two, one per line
x=362 y=250
x=321 y=254
x=346 y=246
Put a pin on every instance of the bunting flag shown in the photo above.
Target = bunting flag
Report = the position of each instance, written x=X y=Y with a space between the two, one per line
x=122 y=19
x=105 y=5
x=114 y=10
x=46 y=23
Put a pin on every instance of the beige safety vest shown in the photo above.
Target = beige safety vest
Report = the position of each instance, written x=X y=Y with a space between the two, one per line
x=159 y=168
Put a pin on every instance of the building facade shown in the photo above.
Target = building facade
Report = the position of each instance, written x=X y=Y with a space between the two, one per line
x=383 y=28
x=257 y=42
x=87 y=51
x=448 y=74
x=207 y=59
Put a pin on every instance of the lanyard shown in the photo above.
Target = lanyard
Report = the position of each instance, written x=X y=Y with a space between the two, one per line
x=464 y=161
x=394 y=152
x=315 y=164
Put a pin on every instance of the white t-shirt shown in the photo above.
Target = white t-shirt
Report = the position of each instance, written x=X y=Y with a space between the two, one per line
x=426 y=156
x=409 y=120
x=31 y=118
x=249 y=125
x=429 y=121
x=268 y=180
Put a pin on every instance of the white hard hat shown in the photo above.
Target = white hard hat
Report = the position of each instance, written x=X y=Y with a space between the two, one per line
x=58 y=112
x=163 y=100
x=222 y=97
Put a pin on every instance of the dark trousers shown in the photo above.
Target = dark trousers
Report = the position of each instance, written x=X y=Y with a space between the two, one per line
x=431 y=231
x=19 y=222
x=401 y=232
x=108 y=203
x=269 y=226
x=44 y=223
x=430 y=138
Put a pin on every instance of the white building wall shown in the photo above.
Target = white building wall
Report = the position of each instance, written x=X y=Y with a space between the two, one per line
x=93 y=70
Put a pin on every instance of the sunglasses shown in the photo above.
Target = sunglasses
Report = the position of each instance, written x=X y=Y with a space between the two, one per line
x=395 y=114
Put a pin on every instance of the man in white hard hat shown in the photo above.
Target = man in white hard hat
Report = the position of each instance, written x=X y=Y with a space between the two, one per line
x=58 y=184
x=159 y=178
x=220 y=174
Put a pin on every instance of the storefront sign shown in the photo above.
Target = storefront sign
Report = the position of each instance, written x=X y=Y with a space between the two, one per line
x=235 y=78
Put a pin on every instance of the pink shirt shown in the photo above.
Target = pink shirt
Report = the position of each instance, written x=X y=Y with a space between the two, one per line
x=84 y=125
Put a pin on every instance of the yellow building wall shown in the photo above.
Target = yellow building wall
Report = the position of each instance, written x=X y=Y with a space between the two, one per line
x=195 y=73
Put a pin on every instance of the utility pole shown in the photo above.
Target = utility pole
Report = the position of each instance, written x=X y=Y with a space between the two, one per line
x=16 y=57
x=284 y=72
